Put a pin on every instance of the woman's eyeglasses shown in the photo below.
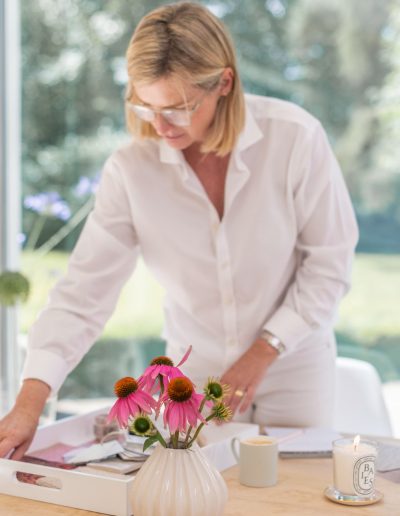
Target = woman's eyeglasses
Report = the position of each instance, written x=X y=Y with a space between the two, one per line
x=180 y=117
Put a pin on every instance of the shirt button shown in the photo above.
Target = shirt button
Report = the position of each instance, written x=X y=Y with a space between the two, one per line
x=228 y=300
x=231 y=342
x=215 y=227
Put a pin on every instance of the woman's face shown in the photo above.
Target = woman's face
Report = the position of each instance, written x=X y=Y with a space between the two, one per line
x=164 y=94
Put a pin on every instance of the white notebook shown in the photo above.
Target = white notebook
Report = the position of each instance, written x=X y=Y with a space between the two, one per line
x=388 y=457
x=304 y=442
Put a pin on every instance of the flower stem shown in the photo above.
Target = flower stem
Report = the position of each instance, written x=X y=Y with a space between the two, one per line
x=202 y=404
x=175 y=439
x=188 y=434
x=36 y=232
x=64 y=230
x=208 y=418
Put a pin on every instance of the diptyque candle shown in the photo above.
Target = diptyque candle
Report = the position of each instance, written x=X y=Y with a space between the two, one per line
x=354 y=466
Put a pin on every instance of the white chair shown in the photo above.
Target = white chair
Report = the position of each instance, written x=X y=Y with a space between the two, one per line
x=359 y=404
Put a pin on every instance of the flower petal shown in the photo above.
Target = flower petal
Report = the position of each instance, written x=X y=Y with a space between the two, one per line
x=185 y=356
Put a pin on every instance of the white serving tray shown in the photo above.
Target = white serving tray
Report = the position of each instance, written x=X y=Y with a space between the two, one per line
x=97 y=492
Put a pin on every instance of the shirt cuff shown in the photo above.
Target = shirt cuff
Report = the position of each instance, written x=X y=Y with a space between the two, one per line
x=46 y=366
x=288 y=326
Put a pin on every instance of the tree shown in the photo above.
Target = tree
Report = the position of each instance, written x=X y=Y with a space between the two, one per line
x=384 y=185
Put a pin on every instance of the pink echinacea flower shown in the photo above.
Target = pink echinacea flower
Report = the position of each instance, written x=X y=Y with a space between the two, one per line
x=131 y=401
x=182 y=405
x=163 y=369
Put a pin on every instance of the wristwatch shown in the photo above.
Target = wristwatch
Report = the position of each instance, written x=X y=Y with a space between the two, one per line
x=273 y=341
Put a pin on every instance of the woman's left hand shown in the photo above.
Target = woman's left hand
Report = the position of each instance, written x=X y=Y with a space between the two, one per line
x=244 y=376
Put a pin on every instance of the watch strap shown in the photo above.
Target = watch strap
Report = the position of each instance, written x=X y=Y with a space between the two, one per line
x=273 y=341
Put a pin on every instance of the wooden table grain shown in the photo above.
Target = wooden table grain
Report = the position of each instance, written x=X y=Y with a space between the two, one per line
x=299 y=492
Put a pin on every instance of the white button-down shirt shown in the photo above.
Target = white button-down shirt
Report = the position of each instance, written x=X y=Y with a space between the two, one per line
x=279 y=259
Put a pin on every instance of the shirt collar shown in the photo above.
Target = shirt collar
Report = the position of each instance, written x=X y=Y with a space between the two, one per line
x=251 y=133
x=168 y=154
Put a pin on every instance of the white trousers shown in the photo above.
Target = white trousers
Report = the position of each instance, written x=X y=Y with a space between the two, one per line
x=298 y=388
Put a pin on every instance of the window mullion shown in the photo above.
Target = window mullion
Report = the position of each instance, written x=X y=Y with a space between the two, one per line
x=10 y=217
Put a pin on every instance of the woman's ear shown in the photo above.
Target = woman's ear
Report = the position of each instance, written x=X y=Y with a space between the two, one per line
x=226 y=81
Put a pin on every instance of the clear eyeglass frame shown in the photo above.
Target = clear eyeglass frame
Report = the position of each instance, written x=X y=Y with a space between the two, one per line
x=179 y=117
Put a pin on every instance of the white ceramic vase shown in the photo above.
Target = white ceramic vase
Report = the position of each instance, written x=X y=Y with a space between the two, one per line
x=178 y=482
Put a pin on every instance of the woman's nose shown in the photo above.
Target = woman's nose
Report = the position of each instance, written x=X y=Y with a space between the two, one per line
x=160 y=124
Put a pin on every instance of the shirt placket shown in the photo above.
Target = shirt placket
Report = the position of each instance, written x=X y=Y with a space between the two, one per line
x=226 y=287
x=238 y=174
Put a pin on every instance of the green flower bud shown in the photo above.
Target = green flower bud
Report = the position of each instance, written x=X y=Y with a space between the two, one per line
x=221 y=412
x=215 y=390
x=141 y=425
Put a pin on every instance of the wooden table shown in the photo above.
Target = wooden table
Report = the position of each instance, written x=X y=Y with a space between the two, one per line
x=299 y=492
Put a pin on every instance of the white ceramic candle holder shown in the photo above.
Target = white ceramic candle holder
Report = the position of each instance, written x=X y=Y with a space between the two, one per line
x=354 y=472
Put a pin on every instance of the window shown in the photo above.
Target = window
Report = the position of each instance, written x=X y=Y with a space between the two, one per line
x=339 y=60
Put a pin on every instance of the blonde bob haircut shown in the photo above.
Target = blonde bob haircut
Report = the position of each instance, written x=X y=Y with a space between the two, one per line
x=186 y=42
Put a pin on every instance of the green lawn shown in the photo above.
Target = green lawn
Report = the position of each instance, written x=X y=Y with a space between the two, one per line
x=368 y=313
x=139 y=310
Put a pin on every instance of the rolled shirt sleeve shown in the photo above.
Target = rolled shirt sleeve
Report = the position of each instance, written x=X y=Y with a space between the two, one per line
x=82 y=301
x=327 y=236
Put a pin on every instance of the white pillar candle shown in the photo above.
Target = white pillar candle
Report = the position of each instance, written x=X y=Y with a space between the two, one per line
x=354 y=466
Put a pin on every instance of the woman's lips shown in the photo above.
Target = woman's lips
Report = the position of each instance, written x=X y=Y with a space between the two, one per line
x=172 y=137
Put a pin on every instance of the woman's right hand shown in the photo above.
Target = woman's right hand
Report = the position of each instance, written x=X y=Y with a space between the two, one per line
x=17 y=430
x=18 y=427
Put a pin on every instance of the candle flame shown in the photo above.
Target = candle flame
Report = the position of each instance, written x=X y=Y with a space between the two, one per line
x=356 y=442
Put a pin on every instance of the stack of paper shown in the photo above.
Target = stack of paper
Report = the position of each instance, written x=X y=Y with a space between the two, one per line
x=388 y=457
x=304 y=442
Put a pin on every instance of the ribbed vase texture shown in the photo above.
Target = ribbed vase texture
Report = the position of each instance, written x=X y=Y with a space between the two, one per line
x=178 y=483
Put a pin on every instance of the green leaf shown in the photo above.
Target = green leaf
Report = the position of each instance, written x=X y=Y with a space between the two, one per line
x=151 y=440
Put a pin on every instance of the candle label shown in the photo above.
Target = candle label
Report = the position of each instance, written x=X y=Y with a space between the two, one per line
x=364 y=474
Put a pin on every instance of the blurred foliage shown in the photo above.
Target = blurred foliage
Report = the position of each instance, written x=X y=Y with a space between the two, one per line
x=383 y=186
x=14 y=288
x=338 y=59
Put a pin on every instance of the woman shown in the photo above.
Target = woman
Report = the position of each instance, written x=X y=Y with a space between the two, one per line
x=237 y=205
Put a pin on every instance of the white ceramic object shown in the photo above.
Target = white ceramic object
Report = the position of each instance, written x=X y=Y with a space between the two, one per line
x=178 y=483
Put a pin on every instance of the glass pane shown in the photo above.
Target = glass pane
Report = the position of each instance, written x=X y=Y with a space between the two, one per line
x=73 y=81
x=339 y=60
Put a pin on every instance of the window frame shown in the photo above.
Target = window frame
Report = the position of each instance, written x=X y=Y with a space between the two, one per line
x=10 y=186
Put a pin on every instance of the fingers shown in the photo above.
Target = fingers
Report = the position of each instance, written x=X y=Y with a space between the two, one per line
x=16 y=434
x=6 y=446
x=19 y=451
x=237 y=399
x=238 y=396
x=247 y=399
x=236 y=393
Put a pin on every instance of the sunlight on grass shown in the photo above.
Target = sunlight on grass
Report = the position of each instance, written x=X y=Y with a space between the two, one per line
x=371 y=308
x=138 y=312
